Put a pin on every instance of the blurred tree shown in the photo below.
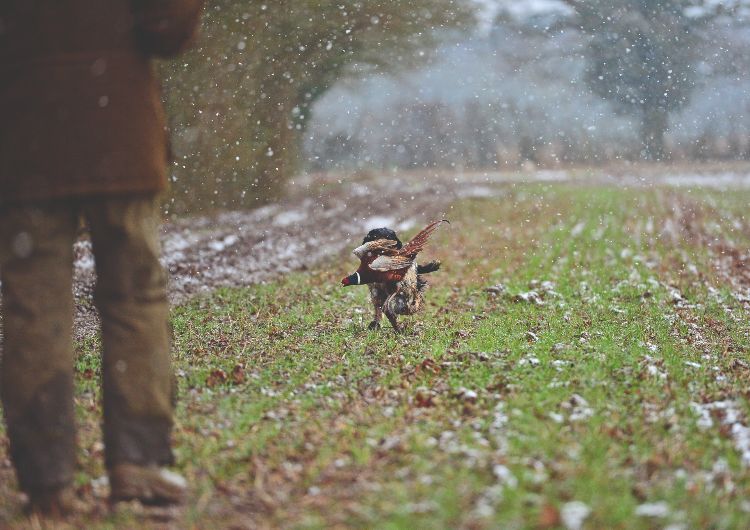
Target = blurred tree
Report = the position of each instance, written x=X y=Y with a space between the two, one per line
x=242 y=98
x=641 y=58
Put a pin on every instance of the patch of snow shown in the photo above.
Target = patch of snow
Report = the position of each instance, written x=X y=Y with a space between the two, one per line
x=504 y=476
x=653 y=509
x=550 y=175
x=477 y=192
x=498 y=427
x=719 y=181
x=289 y=217
x=655 y=372
x=496 y=289
x=732 y=417
x=529 y=297
x=407 y=224
x=100 y=486
x=579 y=408
x=577 y=230
x=529 y=360
x=547 y=175
x=85 y=258
x=573 y=514
x=220 y=244
x=377 y=221
x=176 y=242
x=488 y=10
x=548 y=286
x=485 y=506
x=467 y=395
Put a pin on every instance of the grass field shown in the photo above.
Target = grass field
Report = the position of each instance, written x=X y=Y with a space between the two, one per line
x=582 y=363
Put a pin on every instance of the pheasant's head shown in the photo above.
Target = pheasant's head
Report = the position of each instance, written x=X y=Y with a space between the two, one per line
x=373 y=235
x=352 y=279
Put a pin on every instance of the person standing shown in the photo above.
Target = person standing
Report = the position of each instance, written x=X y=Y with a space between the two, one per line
x=83 y=135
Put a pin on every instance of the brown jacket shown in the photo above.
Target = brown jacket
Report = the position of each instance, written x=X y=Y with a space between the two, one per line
x=80 y=107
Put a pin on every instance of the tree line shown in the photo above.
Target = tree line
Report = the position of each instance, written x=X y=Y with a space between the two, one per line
x=242 y=100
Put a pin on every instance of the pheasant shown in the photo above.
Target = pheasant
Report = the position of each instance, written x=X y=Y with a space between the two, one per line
x=390 y=270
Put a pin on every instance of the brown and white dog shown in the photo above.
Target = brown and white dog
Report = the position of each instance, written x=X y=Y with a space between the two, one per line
x=390 y=270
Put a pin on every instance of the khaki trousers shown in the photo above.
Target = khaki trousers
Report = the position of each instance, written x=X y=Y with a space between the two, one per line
x=36 y=374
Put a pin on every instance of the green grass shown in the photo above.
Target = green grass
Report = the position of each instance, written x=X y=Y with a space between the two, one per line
x=487 y=413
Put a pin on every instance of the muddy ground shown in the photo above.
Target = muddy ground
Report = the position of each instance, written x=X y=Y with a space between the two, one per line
x=319 y=220
x=326 y=214
x=324 y=217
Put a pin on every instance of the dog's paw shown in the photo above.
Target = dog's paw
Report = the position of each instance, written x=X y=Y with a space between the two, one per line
x=374 y=325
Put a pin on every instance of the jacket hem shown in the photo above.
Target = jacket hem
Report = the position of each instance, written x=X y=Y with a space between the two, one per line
x=42 y=195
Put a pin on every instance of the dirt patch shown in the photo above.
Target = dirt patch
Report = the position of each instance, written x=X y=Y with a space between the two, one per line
x=326 y=214
x=318 y=222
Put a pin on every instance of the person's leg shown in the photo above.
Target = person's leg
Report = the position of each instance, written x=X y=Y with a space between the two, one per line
x=136 y=367
x=36 y=376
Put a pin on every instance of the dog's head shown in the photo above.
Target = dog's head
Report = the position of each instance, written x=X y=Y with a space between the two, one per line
x=382 y=233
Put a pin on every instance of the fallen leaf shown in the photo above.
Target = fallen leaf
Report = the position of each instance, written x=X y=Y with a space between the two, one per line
x=549 y=517
x=216 y=377
x=238 y=374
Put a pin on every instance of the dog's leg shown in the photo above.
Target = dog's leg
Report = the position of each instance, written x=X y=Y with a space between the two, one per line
x=377 y=296
x=375 y=324
x=391 y=309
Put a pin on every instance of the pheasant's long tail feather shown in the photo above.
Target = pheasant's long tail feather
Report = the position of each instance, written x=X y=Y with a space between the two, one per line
x=413 y=247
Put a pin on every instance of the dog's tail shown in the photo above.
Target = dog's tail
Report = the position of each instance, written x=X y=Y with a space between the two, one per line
x=428 y=267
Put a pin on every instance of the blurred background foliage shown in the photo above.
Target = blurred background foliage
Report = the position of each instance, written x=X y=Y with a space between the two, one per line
x=640 y=56
x=273 y=90
x=241 y=99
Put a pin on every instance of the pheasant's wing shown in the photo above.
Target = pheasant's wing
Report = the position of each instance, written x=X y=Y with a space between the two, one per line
x=408 y=254
x=391 y=263
x=417 y=243
x=376 y=248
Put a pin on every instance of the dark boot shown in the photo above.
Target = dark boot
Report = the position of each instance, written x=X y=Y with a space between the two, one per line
x=151 y=485
x=53 y=503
